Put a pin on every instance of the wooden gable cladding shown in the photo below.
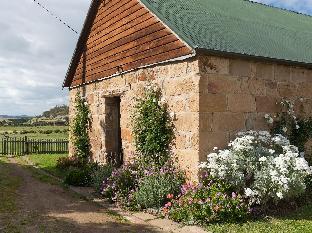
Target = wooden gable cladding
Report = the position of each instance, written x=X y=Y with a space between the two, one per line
x=124 y=36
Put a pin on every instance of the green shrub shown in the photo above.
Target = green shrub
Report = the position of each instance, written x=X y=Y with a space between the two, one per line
x=152 y=128
x=210 y=201
x=308 y=182
x=65 y=163
x=23 y=132
x=80 y=136
x=155 y=186
x=99 y=174
x=78 y=177
x=49 y=131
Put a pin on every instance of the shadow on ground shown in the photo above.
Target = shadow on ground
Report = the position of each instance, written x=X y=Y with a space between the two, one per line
x=44 y=207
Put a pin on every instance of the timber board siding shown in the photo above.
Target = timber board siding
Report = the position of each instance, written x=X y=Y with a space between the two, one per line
x=125 y=36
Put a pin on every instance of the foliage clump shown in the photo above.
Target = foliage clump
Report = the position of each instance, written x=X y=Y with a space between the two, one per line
x=209 y=201
x=152 y=128
x=154 y=187
x=297 y=129
x=80 y=126
x=120 y=186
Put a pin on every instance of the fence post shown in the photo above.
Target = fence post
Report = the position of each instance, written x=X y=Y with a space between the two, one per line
x=4 y=147
x=26 y=146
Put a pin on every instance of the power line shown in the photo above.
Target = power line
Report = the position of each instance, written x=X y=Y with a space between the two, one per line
x=55 y=16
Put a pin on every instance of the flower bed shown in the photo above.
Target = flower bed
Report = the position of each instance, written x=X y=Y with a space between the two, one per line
x=266 y=168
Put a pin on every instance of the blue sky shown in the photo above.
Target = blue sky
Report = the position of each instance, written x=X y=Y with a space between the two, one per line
x=302 y=6
x=35 y=51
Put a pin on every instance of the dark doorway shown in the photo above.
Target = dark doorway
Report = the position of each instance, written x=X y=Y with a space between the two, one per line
x=113 y=142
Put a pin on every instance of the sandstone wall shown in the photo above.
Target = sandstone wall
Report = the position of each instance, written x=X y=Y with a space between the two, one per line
x=235 y=95
x=212 y=97
x=180 y=88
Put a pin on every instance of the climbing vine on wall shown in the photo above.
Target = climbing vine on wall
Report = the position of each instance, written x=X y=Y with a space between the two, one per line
x=152 y=127
x=80 y=125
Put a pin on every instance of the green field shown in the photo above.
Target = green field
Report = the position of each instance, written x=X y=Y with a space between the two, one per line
x=35 y=132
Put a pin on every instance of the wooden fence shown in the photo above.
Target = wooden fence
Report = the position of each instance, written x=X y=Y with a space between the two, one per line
x=24 y=146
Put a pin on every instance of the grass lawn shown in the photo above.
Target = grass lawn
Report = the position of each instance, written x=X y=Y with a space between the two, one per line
x=297 y=222
x=48 y=163
x=38 y=132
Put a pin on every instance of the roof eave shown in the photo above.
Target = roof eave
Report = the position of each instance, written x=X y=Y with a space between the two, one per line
x=81 y=41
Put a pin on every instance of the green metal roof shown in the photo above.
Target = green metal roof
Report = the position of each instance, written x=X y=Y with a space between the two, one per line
x=238 y=27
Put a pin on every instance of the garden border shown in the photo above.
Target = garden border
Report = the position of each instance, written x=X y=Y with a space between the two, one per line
x=87 y=193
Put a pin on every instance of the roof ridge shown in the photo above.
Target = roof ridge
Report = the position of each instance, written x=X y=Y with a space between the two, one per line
x=279 y=8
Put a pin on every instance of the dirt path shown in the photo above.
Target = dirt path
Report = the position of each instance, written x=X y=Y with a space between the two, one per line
x=43 y=207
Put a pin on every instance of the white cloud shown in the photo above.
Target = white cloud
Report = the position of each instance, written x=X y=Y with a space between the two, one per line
x=35 y=50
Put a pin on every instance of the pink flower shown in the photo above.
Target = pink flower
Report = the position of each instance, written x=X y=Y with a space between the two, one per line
x=170 y=196
x=169 y=204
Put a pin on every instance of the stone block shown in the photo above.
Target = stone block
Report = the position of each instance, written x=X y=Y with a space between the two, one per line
x=287 y=90
x=264 y=71
x=182 y=141
x=267 y=104
x=209 y=140
x=193 y=66
x=180 y=86
x=187 y=122
x=299 y=75
x=282 y=73
x=214 y=65
x=177 y=104
x=188 y=161
x=218 y=84
x=241 y=103
x=241 y=68
x=259 y=121
x=205 y=122
x=226 y=121
x=126 y=135
x=177 y=69
x=193 y=102
x=212 y=103
x=271 y=88
x=253 y=86
x=305 y=90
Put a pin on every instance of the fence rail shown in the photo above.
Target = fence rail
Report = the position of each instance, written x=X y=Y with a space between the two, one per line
x=24 y=146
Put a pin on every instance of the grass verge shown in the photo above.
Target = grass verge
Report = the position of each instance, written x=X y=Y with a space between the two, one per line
x=8 y=191
x=299 y=221
x=48 y=163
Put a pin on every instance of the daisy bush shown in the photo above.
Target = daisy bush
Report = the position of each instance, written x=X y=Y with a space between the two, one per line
x=264 y=168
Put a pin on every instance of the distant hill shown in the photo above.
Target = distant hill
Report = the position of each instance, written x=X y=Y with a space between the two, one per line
x=14 y=117
x=57 y=111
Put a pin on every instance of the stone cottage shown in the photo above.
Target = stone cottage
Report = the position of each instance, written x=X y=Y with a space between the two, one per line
x=221 y=66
